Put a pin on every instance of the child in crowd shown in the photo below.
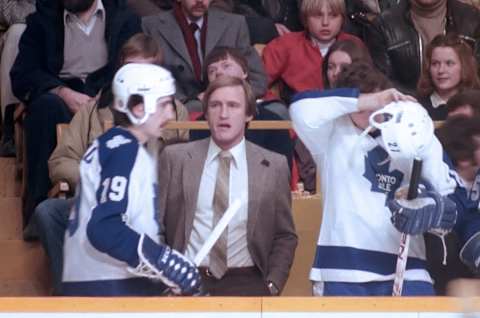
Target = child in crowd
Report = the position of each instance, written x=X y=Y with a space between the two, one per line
x=113 y=227
x=341 y=54
x=296 y=58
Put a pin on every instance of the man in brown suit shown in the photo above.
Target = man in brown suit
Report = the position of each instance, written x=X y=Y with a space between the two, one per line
x=254 y=254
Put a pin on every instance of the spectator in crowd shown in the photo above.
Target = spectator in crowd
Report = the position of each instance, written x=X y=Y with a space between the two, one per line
x=341 y=54
x=12 y=25
x=229 y=62
x=188 y=33
x=460 y=137
x=112 y=246
x=66 y=55
x=200 y=179
x=466 y=102
x=449 y=67
x=401 y=34
x=358 y=245
x=90 y=122
x=296 y=58
x=361 y=13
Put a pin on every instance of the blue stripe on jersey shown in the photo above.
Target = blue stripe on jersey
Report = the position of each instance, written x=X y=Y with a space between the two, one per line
x=117 y=287
x=339 y=92
x=384 y=288
x=117 y=152
x=339 y=257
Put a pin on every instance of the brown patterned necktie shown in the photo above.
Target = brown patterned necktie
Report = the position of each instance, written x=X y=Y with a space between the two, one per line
x=218 y=254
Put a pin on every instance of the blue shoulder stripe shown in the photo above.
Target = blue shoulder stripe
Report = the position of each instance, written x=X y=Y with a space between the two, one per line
x=117 y=152
x=339 y=92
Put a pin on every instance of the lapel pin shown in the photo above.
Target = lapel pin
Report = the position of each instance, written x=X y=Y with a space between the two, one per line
x=265 y=162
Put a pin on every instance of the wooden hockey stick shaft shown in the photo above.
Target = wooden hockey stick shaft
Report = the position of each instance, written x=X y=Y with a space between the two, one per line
x=405 y=238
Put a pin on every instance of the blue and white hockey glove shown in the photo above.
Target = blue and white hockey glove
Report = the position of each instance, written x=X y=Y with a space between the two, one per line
x=429 y=212
x=470 y=252
x=166 y=264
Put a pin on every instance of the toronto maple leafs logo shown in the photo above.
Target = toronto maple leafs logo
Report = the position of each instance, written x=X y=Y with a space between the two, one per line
x=117 y=141
x=377 y=171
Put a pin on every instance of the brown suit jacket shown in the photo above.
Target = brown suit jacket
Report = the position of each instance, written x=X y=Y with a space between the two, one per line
x=271 y=233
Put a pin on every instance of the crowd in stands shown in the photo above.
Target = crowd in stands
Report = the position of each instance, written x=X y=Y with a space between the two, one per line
x=326 y=65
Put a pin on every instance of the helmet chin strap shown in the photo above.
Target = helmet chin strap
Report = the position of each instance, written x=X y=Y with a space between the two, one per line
x=358 y=141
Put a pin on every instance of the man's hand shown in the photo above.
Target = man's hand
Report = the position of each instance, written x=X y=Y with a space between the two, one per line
x=375 y=101
x=429 y=212
x=281 y=29
x=74 y=100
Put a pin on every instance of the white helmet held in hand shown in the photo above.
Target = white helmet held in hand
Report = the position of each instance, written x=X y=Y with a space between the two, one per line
x=146 y=80
x=406 y=128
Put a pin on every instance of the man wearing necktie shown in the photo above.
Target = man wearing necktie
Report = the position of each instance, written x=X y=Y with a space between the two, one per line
x=200 y=179
x=190 y=31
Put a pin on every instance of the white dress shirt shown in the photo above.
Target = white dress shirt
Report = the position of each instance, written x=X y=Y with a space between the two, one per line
x=237 y=251
x=88 y=26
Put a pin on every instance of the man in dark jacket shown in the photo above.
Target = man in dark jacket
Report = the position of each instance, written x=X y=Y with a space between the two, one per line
x=66 y=55
x=400 y=35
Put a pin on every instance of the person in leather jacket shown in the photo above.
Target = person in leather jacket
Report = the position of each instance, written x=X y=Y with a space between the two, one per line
x=397 y=46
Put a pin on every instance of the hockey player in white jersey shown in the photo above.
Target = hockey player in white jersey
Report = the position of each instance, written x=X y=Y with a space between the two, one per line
x=359 y=237
x=112 y=244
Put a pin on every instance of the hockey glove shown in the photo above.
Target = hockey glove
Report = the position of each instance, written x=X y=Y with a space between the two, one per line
x=166 y=264
x=429 y=212
x=470 y=252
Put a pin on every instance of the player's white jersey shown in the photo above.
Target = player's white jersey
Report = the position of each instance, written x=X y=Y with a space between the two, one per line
x=116 y=201
x=357 y=242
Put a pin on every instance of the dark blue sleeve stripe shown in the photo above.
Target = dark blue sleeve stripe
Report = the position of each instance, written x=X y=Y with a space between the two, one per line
x=339 y=92
x=106 y=230
x=349 y=258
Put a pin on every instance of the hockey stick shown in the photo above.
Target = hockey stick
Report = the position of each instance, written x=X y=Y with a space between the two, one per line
x=405 y=238
x=213 y=238
x=217 y=231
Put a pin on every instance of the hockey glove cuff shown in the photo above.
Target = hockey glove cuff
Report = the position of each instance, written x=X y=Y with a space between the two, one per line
x=166 y=264
x=428 y=212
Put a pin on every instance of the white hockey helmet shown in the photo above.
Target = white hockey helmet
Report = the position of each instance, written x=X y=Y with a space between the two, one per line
x=146 y=80
x=406 y=128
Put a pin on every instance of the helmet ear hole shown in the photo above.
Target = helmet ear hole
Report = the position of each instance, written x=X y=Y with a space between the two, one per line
x=135 y=106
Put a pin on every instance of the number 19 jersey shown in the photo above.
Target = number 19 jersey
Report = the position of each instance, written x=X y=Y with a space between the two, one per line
x=115 y=203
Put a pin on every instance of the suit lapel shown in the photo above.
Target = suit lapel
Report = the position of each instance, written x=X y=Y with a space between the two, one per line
x=257 y=171
x=217 y=24
x=192 y=173
x=171 y=32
